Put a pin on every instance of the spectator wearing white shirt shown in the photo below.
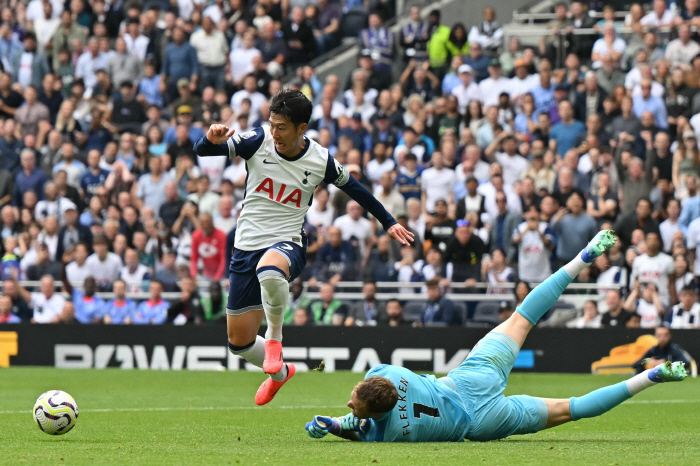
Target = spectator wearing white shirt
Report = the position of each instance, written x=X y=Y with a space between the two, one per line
x=47 y=304
x=241 y=59
x=88 y=63
x=681 y=51
x=437 y=182
x=356 y=229
x=669 y=227
x=250 y=92
x=657 y=268
x=512 y=163
x=468 y=90
x=104 y=266
x=321 y=213
x=389 y=196
x=492 y=87
x=212 y=50
x=206 y=200
x=685 y=314
x=646 y=303
x=522 y=82
x=78 y=270
x=608 y=45
x=135 y=275
x=379 y=165
x=660 y=16
x=225 y=221
x=136 y=43
x=590 y=318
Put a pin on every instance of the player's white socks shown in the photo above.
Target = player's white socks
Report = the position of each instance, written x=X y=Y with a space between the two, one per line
x=275 y=294
x=281 y=375
x=575 y=267
x=254 y=353
x=639 y=382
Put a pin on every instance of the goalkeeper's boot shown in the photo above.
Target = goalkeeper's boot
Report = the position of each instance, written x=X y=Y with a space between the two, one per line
x=273 y=357
x=604 y=240
x=269 y=387
x=668 y=372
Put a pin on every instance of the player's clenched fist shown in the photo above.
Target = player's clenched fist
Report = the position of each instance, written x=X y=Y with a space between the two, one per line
x=219 y=134
x=319 y=427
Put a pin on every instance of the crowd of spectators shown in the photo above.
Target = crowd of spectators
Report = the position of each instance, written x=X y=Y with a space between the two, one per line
x=501 y=160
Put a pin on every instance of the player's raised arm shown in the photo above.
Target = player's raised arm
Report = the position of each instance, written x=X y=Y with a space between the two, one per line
x=215 y=142
x=339 y=176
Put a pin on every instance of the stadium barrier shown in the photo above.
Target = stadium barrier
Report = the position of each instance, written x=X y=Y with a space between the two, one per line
x=341 y=348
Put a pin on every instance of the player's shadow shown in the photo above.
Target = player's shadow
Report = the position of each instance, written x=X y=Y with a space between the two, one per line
x=584 y=440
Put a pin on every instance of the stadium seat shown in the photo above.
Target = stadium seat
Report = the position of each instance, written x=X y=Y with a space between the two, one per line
x=353 y=22
x=562 y=310
x=486 y=312
x=461 y=310
x=412 y=310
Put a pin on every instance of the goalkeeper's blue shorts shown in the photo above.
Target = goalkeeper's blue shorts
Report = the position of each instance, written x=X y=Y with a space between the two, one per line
x=480 y=381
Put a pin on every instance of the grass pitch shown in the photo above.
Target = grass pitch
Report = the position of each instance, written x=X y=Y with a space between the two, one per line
x=198 y=418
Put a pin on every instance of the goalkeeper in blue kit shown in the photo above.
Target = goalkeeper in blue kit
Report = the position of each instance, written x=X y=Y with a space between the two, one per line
x=392 y=404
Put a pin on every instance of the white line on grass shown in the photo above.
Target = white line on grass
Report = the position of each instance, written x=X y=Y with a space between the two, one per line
x=222 y=408
x=184 y=408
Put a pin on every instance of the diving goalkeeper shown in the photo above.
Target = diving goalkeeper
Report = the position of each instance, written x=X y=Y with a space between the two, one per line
x=392 y=404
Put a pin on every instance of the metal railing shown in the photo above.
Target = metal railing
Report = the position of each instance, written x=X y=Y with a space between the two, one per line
x=531 y=18
x=385 y=291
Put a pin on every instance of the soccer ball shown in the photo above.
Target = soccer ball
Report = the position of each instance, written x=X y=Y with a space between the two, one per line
x=55 y=412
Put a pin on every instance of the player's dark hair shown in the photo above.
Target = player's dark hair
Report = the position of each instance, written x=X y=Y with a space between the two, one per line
x=292 y=105
x=379 y=393
x=689 y=289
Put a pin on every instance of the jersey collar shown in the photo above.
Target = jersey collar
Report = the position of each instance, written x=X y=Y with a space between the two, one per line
x=299 y=155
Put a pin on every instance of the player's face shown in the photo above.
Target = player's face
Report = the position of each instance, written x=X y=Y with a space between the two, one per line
x=287 y=138
x=358 y=407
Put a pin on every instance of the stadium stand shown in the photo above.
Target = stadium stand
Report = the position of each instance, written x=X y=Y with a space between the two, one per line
x=587 y=117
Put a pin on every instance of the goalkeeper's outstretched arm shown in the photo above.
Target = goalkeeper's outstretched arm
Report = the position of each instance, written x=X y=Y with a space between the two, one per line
x=344 y=427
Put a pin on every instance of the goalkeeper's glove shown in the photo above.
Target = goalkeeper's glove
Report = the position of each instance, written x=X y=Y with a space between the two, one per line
x=321 y=426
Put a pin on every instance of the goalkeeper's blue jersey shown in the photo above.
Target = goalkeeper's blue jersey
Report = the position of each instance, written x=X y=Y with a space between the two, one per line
x=427 y=411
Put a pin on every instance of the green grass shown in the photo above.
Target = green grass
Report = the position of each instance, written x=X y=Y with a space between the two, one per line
x=157 y=422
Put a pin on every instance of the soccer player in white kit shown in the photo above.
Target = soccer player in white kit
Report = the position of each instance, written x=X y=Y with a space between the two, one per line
x=284 y=168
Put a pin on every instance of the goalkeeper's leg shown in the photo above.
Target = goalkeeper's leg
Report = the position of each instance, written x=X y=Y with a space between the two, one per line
x=598 y=402
x=543 y=297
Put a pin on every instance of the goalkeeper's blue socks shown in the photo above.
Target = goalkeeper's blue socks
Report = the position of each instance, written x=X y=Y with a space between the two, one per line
x=599 y=401
x=604 y=399
x=543 y=297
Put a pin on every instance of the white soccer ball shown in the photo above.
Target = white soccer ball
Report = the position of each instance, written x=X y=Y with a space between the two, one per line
x=55 y=412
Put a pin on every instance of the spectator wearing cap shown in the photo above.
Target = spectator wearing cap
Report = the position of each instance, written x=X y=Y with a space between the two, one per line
x=127 y=114
x=179 y=62
x=492 y=87
x=478 y=61
x=28 y=65
x=468 y=90
x=380 y=41
x=301 y=44
x=72 y=233
x=88 y=63
x=212 y=50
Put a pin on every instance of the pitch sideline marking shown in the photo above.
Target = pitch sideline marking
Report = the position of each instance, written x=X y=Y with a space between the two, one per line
x=216 y=408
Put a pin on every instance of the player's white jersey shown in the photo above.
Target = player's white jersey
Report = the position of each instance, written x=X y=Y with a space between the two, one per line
x=279 y=189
